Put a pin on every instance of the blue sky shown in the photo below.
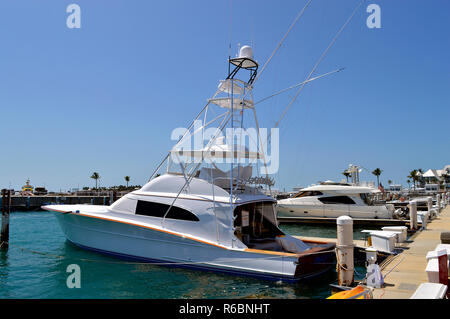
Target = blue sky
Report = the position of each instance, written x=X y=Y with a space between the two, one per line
x=107 y=96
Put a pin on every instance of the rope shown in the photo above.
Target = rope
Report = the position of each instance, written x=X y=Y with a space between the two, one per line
x=338 y=263
x=393 y=267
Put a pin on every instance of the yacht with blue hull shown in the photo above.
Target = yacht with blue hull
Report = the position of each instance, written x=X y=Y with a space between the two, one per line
x=207 y=210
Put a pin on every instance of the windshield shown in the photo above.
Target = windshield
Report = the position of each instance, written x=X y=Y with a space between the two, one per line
x=367 y=199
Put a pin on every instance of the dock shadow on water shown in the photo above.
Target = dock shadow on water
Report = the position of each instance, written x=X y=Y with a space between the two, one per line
x=35 y=266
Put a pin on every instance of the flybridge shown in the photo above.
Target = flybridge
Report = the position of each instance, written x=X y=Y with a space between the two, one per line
x=203 y=143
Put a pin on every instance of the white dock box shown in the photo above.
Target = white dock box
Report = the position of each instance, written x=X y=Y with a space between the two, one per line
x=432 y=268
x=402 y=230
x=383 y=240
x=444 y=247
x=430 y=290
x=433 y=255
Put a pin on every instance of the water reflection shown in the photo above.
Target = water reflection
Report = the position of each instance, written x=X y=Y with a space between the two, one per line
x=39 y=271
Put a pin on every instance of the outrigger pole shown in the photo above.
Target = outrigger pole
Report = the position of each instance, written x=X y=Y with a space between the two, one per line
x=324 y=53
x=298 y=84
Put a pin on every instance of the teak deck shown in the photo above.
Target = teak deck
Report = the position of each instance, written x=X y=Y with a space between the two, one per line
x=406 y=271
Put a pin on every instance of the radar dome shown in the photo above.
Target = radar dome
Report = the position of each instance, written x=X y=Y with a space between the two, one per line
x=246 y=52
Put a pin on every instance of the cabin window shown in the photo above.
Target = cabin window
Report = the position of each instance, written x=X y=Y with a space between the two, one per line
x=308 y=193
x=159 y=210
x=367 y=199
x=337 y=200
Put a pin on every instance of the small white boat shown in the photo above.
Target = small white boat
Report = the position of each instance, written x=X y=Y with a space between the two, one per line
x=331 y=200
x=201 y=216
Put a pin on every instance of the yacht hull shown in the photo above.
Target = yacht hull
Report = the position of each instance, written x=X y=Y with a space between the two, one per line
x=333 y=211
x=133 y=242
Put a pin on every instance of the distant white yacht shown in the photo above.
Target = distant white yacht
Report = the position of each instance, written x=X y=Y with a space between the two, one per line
x=332 y=200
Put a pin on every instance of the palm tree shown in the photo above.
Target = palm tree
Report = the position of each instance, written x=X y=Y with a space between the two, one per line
x=414 y=176
x=346 y=174
x=420 y=176
x=95 y=176
x=127 y=179
x=389 y=182
x=409 y=182
x=377 y=173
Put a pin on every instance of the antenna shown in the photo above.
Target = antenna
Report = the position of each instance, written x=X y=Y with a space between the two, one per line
x=252 y=35
x=231 y=28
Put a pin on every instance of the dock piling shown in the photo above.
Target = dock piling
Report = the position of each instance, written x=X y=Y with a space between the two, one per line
x=430 y=203
x=413 y=215
x=344 y=251
x=438 y=202
x=6 y=210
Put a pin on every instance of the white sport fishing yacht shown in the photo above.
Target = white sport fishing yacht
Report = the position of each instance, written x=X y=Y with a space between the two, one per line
x=206 y=211
x=331 y=200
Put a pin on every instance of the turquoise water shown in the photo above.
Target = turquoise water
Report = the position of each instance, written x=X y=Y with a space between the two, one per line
x=325 y=230
x=35 y=267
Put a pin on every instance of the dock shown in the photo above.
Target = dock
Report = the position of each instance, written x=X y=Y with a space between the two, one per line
x=34 y=203
x=332 y=221
x=357 y=243
x=404 y=272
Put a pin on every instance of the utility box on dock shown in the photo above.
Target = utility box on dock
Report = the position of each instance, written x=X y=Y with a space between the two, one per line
x=430 y=290
x=383 y=240
x=401 y=230
x=432 y=268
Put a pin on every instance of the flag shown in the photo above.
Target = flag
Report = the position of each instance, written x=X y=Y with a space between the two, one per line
x=381 y=188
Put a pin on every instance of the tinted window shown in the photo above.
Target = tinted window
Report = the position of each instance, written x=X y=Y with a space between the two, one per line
x=308 y=193
x=336 y=200
x=159 y=210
